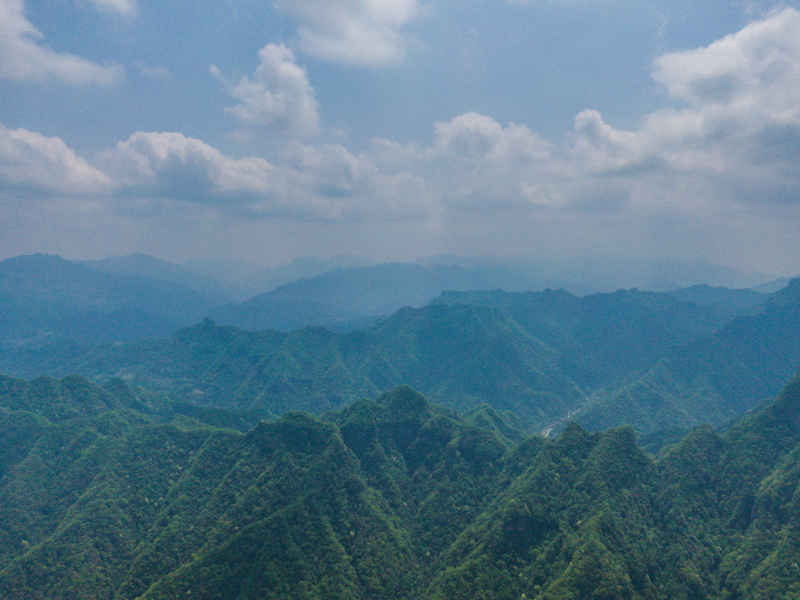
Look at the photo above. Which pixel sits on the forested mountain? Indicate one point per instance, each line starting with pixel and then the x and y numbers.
pixel 543 356
pixel 349 298
pixel 386 499
pixel 139 296
pixel 539 355
pixel 712 378
pixel 44 297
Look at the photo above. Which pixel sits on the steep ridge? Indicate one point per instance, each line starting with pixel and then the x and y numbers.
pixel 460 355
pixel 395 498
pixel 710 380
pixel 539 355
pixel 602 336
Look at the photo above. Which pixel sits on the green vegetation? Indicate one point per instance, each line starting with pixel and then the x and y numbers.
pixel 545 357
pixel 712 379
pixel 106 492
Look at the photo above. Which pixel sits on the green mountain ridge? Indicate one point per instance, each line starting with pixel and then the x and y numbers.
pixel 711 379
pixel 630 357
pixel 539 355
pixel 388 498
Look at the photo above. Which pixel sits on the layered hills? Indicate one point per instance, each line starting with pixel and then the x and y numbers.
pixel 351 298
pixel 392 498
pixel 630 357
pixel 45 298
pixel 538 355
pixel 711 378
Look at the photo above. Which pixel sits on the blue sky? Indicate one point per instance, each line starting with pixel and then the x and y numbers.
pixel 401 128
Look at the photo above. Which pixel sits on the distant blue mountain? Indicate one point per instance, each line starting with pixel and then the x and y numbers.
pixel 44 297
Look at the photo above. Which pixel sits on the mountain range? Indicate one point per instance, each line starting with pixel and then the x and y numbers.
pixel 641 358
pixel 45 298
pixel 392 498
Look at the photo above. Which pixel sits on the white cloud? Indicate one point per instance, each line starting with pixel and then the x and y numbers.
pixel 325 182
pixel 475 163
pixel 31 161
pixel 731 142
pixel 126 8
pixel 735 134
pixel 755 69
pixel 167 163
pixel 478 136
pixel 354 186
pixel 24 57
pixel 278 95
pixel 359 32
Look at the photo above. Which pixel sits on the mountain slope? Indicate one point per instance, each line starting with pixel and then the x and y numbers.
pixel 342 297
pixel 712 379
pixel 641 358
pixel 43 297
pixel 392 498
pixel 538 355
pixel 145 266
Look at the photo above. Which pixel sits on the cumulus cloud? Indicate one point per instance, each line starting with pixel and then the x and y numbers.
pixel 475 163
pixel 31 161
pixel 24 57
pixel 126 8
pixel 278 95
pixel 169 164
pixel 729 142
pixel 479 136
pixel 749 71
pixel 326 182
pixel 734 132
pixel 359 32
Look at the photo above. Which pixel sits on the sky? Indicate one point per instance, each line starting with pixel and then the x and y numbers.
pixel 396 129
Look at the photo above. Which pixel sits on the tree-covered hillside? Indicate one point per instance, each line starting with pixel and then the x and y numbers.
pixel 391 498
pixel 711 379
pixel 539 355
pixel 630 357
pixel 348 298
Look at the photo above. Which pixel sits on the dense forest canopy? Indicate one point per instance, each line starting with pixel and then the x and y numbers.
pixel 103 497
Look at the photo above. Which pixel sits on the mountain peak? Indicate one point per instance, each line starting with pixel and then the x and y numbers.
pixel 405 402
